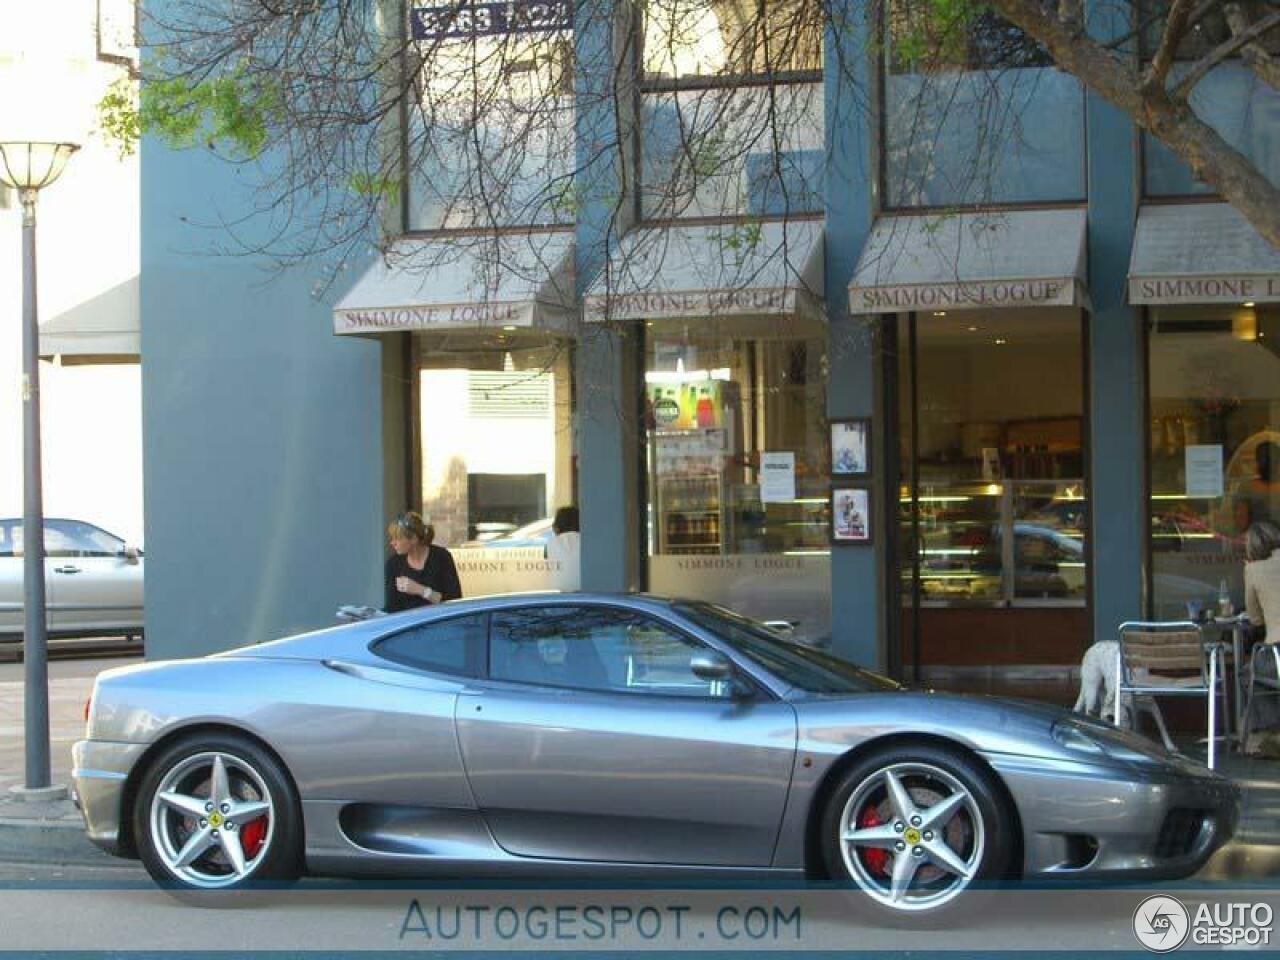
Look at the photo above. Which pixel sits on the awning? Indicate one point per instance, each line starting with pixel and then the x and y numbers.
pixel 103 329
pixel 972 261
pixel 1201 253
pixel 717 270
pixel 465 283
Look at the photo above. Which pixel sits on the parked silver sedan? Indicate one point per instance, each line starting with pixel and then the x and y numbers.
pixel 93 580
pixel 571 734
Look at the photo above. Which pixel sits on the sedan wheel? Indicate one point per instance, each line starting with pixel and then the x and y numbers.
pixel 212 814
pixel 915 829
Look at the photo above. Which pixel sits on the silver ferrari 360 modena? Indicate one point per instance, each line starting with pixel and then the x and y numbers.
pixel 616 736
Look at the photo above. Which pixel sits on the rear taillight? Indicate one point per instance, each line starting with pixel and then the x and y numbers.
pixel 87 705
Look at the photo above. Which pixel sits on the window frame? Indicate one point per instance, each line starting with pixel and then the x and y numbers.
pixel 881 70
pixel 758 690
pixel 482 660
pixel 647 85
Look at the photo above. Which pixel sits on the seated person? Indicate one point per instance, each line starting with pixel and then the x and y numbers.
pixel 1262 602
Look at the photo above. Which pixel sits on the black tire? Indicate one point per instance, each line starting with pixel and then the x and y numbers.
pixel 279 850
pixel 980 834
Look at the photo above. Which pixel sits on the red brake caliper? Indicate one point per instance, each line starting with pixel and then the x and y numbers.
pixel 252 835
pixel 873 858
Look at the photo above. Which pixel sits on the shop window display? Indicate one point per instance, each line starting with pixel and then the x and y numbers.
pixel 1214 380
pixel 721 398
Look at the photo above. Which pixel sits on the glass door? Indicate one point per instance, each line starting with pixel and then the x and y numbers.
pixel 992 499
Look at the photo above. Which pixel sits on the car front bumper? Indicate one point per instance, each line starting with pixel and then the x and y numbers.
pixel 1082 821
pixel 100 771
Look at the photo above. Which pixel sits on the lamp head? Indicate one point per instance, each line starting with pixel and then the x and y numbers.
pixel 27 165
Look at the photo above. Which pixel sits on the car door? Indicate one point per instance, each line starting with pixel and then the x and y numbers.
pixel 93 586
pixel 592 739
pixel 12 589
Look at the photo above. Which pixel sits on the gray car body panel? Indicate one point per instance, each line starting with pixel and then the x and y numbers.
pixel 402 771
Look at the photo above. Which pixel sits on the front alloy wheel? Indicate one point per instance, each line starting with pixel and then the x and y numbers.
pixel 915 829
pixel 214 813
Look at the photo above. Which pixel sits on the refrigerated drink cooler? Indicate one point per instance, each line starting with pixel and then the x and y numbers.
pixel 695 434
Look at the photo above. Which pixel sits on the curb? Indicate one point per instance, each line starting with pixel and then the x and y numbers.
pixel 61 842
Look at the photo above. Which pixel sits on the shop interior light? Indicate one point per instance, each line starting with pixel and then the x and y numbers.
pixel 939 313
pixel 1247 303
pixel 973 329
pixel 680 375
pixel 509 329
pixel 1001 341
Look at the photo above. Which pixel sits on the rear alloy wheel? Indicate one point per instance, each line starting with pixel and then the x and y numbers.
pixel 216 813
pixel 916 829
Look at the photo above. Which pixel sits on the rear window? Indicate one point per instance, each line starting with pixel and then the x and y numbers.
pixel 455 646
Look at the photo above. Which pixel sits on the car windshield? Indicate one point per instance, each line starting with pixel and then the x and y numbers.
pixel 803 667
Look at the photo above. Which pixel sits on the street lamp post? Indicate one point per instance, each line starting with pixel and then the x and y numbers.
pixel 28 167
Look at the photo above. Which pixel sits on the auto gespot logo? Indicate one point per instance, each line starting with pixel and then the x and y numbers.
pixel 1163 924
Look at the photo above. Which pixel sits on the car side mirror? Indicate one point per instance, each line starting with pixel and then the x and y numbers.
pixel 711 665
pixel 129 554
pixel 716 668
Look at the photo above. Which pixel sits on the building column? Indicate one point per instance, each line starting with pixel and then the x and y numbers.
pixel 1117 368
pixel 857 574
pixel 608 395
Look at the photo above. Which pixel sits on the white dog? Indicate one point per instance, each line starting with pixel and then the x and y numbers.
pixel 1098 680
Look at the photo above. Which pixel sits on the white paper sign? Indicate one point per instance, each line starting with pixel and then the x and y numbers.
pixel 777 477
pixel 1204 470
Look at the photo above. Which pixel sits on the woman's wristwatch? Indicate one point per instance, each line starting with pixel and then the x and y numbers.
pixel 426 594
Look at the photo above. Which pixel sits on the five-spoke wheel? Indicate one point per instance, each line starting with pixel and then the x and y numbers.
pixel 212 813
pixel 915 829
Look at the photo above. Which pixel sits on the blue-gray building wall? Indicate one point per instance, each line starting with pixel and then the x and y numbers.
pixel 262 431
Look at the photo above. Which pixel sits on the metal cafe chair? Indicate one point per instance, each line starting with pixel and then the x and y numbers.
pixel 1165 660
pixel 1270 687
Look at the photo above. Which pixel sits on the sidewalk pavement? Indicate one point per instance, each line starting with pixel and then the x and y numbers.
pixel 47 831
pixel 52 831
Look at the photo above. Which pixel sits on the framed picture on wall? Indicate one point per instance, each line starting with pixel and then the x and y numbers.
pixel 851 447
pixel 850 515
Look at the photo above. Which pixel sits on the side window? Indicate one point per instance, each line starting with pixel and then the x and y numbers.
pixel 81 539
pixel 10 538
pixel 59 541
pixel 594 648
pixel 454 646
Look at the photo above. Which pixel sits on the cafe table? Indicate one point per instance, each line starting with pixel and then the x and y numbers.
pixel 1239 628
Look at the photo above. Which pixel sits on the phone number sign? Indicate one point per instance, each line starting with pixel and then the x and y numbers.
pixel 491 19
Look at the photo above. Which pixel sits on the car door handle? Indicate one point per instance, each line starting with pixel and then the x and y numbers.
pixel 66 569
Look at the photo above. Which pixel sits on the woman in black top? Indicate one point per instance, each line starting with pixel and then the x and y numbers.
pixel 417 573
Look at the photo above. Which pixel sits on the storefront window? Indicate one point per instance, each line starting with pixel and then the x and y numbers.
pixel 992 499
pixel 490 137
pixel 1215 447
pixel 721 399
pixel 693 38
pixel 976 112
pixel 496 454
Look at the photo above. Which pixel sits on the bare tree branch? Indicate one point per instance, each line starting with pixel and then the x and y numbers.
pixel 1174 124
pixel 1175 27
pixel 1262 63
pixel 1221 52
